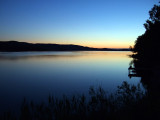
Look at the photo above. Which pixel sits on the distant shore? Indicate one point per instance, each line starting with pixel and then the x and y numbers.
pixel 15 46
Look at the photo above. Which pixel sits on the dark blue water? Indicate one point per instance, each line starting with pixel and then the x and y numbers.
pixel 35 75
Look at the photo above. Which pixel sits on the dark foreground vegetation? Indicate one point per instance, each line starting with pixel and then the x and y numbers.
pixel 128 103
pixel 15 46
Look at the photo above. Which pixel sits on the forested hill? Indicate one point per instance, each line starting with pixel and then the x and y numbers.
pixel 15 46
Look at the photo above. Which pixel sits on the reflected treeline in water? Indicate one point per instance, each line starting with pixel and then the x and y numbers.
pixel 126 103
pixel 34 55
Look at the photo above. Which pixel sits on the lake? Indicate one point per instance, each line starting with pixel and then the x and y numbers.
pixel 36 75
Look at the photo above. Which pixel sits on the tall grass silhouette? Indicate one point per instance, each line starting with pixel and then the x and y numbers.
pixel 128 102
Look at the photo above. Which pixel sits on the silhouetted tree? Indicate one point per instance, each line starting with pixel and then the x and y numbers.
pixel 147 55
pixel 146 46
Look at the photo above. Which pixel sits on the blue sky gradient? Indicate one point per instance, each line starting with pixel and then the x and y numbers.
pixel 94 23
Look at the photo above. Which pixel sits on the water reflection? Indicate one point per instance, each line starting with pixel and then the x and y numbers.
pixel 35 75
pixel 148 69
pixel 149 73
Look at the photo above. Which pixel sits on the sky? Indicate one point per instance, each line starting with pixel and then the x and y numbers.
pixel 93 23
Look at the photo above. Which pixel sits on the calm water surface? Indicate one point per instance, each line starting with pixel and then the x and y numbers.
pixel 35 75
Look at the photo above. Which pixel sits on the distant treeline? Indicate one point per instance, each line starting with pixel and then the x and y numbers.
pixel 15 46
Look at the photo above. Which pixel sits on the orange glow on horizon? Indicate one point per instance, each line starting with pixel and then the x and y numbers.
pixel 108 45
pixel 94 44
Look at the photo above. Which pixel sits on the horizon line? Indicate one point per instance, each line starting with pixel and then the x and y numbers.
pixel 65 44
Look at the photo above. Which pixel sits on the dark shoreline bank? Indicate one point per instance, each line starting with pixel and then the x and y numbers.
pixel 15 46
